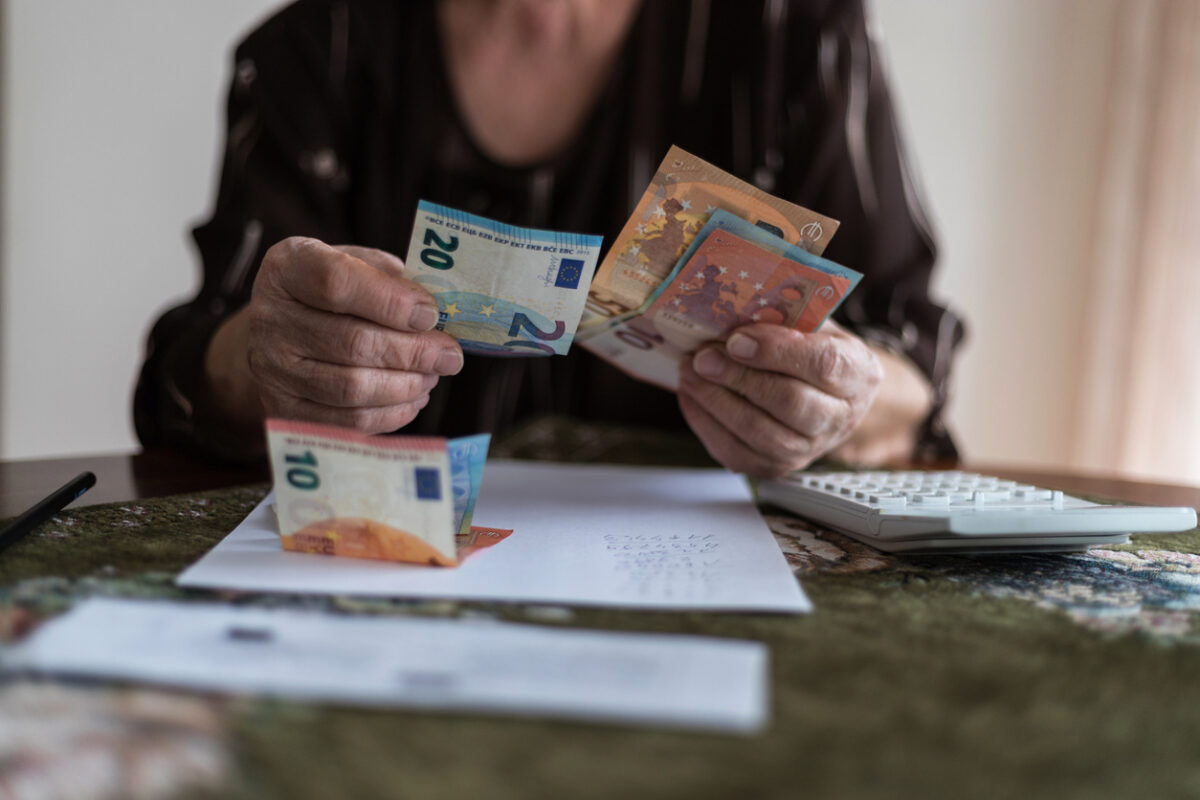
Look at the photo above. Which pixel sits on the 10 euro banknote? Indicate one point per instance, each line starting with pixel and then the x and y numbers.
pixel 501 290
pixel 395 498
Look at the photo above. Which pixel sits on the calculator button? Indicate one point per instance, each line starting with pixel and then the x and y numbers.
pixel 888 501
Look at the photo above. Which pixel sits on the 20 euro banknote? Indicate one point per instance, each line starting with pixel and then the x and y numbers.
pixel 501 290
pixel 395 498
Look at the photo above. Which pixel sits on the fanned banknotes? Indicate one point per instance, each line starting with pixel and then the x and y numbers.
pixel 501 290
pixel 394 498
pixel 733 273
pixel 682 196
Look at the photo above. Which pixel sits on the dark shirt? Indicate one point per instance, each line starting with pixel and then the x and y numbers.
pixel 341 117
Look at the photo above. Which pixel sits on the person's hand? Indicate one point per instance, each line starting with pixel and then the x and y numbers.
pixel 770 400
pixel 333 334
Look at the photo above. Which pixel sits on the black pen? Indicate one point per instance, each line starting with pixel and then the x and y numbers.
pixel 47 508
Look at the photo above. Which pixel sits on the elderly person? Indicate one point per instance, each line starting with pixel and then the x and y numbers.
pixel 553 114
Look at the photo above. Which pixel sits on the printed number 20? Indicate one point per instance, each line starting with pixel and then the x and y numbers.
pixel 523 322
pixel 438 258
pixel 520 321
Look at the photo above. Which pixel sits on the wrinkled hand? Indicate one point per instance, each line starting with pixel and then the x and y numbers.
pixel 338 335
pixel 770 400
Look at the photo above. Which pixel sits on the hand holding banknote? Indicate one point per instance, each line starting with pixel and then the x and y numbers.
pixel 337 335
pixel 769 400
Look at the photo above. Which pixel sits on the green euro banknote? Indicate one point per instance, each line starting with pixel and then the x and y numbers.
pixel 395 498
pixel 501 290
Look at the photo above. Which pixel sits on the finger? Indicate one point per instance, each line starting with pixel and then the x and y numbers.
pixel 835 362
pixel 794 403
pixel 723 446
pixel 368 420
pixel 327 279
pixel 832 327
pixel 757 430
pixel 340 386
pixel 351 341
pixel 381 260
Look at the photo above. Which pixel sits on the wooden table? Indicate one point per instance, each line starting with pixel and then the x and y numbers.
pixel 163 472
pixel 1112 487
pixel 155 473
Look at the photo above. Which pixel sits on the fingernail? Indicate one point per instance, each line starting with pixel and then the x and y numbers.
pixel 709 362
pixel 448 363
pixel 423 318
pixel 741 346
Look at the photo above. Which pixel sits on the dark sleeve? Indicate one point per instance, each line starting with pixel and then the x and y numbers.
pixel 285 172
pixel 842 130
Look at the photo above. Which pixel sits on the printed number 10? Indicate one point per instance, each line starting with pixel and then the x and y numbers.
pixel 300 477
pixel 435 257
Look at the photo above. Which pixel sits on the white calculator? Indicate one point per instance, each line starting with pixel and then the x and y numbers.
pixel 931 512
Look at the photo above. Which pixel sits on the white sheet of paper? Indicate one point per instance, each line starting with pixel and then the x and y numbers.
pixel 673 680
pixel 583 535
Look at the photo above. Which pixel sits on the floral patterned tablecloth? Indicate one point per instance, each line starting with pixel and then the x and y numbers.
pixel 1035 676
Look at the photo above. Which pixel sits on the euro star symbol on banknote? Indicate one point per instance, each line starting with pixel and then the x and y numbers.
pixel 501 290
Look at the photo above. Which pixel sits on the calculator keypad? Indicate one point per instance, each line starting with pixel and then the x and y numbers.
pixel 929 490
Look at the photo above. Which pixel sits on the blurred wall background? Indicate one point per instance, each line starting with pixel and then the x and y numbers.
pixel 111 121
pixel 1003 101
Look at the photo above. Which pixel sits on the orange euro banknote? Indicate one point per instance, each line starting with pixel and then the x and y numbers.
pixel 727 282
pixel 683 194
pixel 479 538
pixel 730 282
pixel 357 537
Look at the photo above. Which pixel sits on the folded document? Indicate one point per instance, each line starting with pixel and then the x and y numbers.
pixel 495 667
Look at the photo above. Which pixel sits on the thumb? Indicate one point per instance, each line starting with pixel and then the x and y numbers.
pixel 381 260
